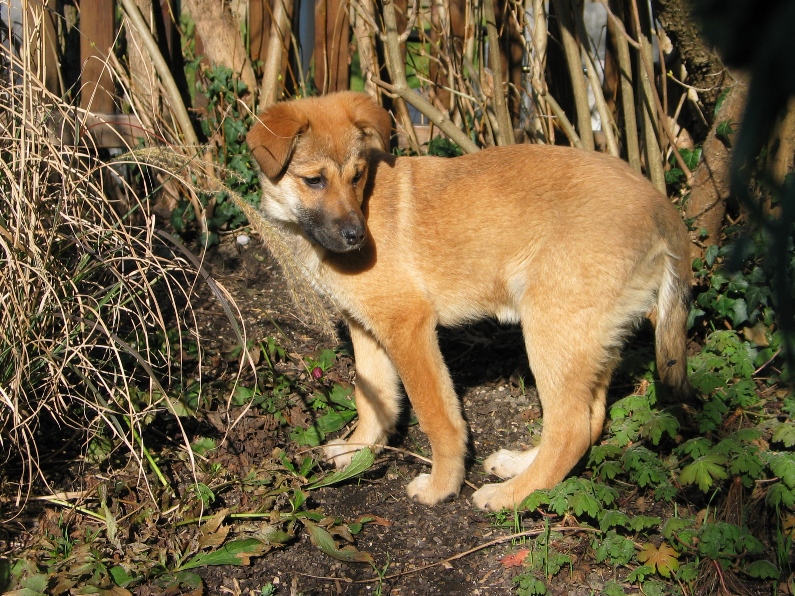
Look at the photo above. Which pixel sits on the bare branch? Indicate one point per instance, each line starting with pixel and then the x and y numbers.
pixel 394 63
pixel 504 131
pixel 439 118
pixel 572 52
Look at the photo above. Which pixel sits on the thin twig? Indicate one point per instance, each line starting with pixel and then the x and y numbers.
pixel 627 93
pixel 504 133
pixel 461 555
pixel 655 96
pixel 564 122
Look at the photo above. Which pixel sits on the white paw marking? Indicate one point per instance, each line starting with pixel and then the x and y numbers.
pixel 422 490
pixel 507 464
pixel 339 452
pixel 493 497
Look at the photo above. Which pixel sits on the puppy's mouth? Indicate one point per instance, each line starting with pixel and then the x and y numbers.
pixel 335 234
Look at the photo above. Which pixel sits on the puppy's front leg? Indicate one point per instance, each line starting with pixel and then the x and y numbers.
pixel 414 348
pixel 377 396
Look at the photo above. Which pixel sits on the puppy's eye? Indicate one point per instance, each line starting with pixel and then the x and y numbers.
pixel 315 182
pixel 357 177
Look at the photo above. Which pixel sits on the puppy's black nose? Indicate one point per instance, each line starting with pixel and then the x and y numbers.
pixel 353 235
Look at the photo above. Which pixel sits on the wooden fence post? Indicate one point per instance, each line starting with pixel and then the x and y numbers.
pixel 97 89
pixel 332 38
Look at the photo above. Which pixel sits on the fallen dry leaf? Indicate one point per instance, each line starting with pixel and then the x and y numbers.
pixel 515 559
pixel 664 559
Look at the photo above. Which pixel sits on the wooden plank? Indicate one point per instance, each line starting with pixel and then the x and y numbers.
pixel 99 131
pixel 332 41
pixel 96 40
pixel 259 26
pixel 113 130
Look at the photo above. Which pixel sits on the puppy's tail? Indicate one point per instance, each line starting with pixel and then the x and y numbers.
pixel 673 307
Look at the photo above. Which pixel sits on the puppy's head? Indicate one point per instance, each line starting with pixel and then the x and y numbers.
pixel 314 154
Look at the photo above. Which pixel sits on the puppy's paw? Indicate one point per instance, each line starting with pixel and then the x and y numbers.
pixel 339 452
pixel 507 464
pixel 425 490
pixel 493 497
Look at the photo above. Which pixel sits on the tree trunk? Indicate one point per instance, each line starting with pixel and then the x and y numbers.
pixel 782 147
pixel 705 70
pixel 710 187
pixel 220 34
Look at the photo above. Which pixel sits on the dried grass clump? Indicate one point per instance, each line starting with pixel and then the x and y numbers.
pixel 311 307
pixel 94 302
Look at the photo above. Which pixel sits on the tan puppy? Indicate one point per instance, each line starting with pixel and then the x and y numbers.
pixel 573 245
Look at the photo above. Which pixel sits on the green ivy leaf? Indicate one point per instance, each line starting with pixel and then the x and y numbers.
pixel 691 157
pixel 762 569
pixel 360 463
pixel 704 471
pixel 615 549
pixel 785 433
pixel 334 421
pixel 724 131
pixel 739 312
pixel 612 518
pixel 306 436
pixel 711 254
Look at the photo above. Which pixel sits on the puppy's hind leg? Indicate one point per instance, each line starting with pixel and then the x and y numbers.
pixel 377 396
pixel 572 378
pixel 506 463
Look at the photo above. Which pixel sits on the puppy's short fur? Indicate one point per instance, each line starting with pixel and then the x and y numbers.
pixel 573 245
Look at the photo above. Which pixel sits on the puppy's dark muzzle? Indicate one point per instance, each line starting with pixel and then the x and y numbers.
pixel 336 234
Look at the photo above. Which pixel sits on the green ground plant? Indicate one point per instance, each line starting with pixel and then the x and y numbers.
pixel 720 478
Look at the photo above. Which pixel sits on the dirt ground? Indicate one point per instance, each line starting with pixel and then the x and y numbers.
pixel 452 548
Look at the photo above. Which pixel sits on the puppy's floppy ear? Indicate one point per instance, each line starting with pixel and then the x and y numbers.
pixel 372 119
pixel 273 137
